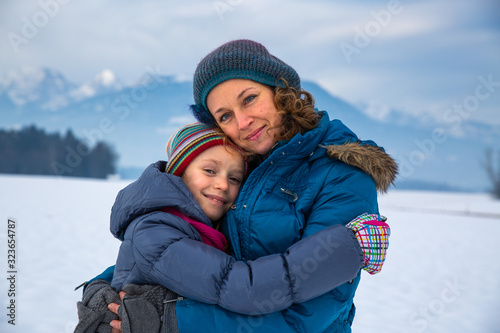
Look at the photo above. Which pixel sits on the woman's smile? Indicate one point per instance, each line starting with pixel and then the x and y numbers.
pixel 255 134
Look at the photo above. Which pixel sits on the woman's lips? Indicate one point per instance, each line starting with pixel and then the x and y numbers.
pixel 255 134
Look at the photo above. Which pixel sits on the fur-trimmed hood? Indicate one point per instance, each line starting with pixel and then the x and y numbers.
pixel 344 145
pixel 371 159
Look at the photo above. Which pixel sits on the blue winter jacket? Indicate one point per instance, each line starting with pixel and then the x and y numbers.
pixel 323 178
pixel 161 248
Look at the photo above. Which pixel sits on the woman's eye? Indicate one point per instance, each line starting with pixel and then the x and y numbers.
pixel 224 117
pixel 249 99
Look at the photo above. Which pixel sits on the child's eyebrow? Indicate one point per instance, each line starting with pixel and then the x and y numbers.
pixel 239 172
pixel 218 162
pixel 211 159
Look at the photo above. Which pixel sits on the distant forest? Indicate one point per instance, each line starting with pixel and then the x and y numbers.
pixel 33 151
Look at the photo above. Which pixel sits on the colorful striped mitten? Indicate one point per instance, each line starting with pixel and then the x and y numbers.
pixel 373 236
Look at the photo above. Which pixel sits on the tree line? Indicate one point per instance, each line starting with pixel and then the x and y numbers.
pixel 33 151
pixel 491 165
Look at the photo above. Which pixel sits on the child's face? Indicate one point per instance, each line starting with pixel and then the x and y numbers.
pixel 214 177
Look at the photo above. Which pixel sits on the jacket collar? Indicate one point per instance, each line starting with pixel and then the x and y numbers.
pixel 336 140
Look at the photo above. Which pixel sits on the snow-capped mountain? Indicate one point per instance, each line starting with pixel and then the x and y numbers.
pixel 44 87
pixel 104 82
pixel 138 120
pixel 50 90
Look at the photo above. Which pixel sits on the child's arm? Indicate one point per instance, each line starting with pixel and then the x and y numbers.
pixel 271 283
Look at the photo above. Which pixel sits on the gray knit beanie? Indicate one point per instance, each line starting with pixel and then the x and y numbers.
pixel 238 59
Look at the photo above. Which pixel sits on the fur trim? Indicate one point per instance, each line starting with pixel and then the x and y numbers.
pixel 371 159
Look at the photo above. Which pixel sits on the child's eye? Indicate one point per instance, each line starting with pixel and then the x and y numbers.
pixel 209 171
pixel 235 180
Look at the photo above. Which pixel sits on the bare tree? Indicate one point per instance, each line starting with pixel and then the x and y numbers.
pixel 492 168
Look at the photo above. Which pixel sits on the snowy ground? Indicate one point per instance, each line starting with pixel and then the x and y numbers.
pixel 442 273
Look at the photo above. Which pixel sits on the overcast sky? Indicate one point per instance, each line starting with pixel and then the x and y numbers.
pixel 415 56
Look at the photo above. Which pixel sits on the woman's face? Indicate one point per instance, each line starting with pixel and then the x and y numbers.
pixel 245 111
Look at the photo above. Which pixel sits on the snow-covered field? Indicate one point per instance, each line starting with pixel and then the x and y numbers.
pixel 442 273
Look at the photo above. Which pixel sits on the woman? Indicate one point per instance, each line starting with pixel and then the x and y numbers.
pixel 309 173
pixel 313 173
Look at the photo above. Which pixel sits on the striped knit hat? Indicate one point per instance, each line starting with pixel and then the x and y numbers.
pixel 238 59
pixel 190 141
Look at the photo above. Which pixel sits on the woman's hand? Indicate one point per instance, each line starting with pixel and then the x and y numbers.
pixel 113 307
pixel 372 234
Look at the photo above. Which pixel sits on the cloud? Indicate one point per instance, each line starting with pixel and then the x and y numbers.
pixel 426 53
pixel 174 123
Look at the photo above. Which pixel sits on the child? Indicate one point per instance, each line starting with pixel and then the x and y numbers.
pixel 164 218
pixel 199 185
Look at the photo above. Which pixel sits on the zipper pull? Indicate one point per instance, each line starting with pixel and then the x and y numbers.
pixel 83 284
pixel 293 194
pixel 179 298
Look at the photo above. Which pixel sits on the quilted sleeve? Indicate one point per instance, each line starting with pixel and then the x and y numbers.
pixel 166 256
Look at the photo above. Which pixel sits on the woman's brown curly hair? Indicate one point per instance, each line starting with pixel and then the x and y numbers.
pixel 296 109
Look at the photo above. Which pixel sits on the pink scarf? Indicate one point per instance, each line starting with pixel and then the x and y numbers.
pixel 209 235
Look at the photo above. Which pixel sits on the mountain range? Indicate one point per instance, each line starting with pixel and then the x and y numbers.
pixel 137 119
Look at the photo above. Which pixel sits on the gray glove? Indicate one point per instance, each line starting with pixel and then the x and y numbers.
pixel 147 309
pixel 93 313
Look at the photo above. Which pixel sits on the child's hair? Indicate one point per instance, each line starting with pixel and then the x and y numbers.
pixel 191 140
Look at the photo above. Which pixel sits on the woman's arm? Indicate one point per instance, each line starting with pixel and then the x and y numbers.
pixel 339 201
pixel 272 283
pixel 309 274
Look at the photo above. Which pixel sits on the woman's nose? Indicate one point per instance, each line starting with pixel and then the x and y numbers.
pixel 243 120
